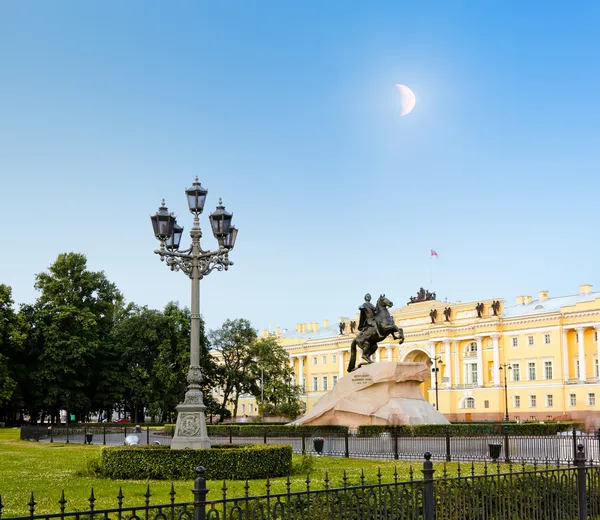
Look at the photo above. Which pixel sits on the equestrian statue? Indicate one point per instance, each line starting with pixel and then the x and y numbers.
pixel 375 325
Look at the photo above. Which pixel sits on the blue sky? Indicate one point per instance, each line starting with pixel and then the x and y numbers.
pixel 289 112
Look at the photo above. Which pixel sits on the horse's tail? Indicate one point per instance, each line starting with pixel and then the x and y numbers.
pixel 352 360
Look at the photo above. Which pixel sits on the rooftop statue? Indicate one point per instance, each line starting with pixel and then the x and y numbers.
pixel 374 325
pixel 422 296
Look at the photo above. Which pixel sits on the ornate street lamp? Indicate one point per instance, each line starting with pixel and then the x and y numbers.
pixel 505 367
pixel 435 369
pixel 190 430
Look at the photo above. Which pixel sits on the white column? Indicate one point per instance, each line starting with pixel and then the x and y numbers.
pixel 496 359
pixel 378 355
pixel 448 362
pixel 581 345
pixel 301 372
pixel 390 353
pixel 341 363
pixel 565 357
pixel 457 367
pixel 479 340
pixel 597 328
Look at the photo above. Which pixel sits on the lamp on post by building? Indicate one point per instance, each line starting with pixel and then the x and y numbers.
pixel 190 430
pixel 434 370
pixel 505 367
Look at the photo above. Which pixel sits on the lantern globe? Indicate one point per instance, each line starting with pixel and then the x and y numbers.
pixel 162 223
pixel 229 241
pixel 220 222
pixel 174 240
pixel 196 196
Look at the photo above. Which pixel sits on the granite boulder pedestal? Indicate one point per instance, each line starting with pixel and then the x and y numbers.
pixel 380 393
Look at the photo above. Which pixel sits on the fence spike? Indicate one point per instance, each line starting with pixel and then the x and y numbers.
pixel 32 504
pixel 120 497
pixel 535 465
pixel 362 476
pixel 395 474
pixel 379 475
pixel 326 481
pixel 410 472
pixel 172 493
pixel 91 500
pixel 498 467
pixel 445 471
pixel 458 468
pixel 268 486
pixel 246 488
pixel 62 502
pixel 147 495
pixel 345 480
pixel 485 467
pixel 472 468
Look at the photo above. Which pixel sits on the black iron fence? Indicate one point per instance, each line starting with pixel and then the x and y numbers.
pixel 504 447
pixel 524 493
pixel 560 447
pixel 92 434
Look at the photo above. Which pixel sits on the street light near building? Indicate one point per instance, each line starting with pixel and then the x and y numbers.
pixel 505 367
pixel 190 430
pixel 434 370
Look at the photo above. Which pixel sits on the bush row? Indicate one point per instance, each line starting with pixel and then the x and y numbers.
pixel 467 430
pixel 231 462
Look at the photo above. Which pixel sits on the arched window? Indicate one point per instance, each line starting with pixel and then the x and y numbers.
pixel 472 346
pixel 469 402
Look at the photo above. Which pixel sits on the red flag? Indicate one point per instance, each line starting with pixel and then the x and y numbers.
pixel 433 252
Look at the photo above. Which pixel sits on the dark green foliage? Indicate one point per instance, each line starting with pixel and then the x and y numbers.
pixel 282 430
pixel 467 429
pixel 231 462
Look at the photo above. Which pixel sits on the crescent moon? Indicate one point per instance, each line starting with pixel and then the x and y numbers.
pixel 407 99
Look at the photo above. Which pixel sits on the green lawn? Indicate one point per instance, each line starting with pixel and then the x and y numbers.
pixel 47 469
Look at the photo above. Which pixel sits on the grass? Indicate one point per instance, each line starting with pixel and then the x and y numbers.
pixel 48 469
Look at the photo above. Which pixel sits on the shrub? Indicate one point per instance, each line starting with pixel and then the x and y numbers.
pixel 220 462
pixel 466 429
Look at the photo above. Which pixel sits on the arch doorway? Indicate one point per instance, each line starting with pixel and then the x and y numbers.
pixel 420 356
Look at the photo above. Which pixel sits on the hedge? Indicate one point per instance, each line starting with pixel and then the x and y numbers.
pixel 281 430
pixel 231 462
pixel 467 430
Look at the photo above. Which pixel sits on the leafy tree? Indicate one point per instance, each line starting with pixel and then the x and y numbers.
pixel 73 319
pixel 233 342
pixel 10 342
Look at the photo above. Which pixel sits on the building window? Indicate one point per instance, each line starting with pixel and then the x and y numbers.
pixel 546 339
pixel 531 370
pixel 335 378
pixel 250 408
pixel 577 367
pixel 592 399
pixel 532 401
pixel 548 370
pixel 334 358
pixel 314 360
pixel 549 400
pixel 597 368
pixel 517 401
pixel 469 402
pixel 573 399
pixel 471 373
pixel 530 340
pixel 243 408
pixel 324 360
pixel 516 372
pixel 325 384
pixel 472 347
pixel 515 342
pixel 577 337
pixel 486 404
pixel 315 384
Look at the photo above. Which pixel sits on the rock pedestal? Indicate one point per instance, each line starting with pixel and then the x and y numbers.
pixel 380 393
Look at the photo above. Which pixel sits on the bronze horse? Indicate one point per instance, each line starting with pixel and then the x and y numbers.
pixel 368 338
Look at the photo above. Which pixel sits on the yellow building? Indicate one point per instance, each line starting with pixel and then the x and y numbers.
pixel 550 344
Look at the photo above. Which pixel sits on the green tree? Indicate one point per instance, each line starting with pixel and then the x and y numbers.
pixel 10 343
pixel 234 342
pixel 73 318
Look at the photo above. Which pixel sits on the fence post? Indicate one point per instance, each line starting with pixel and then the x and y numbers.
pixel 265 435
pixel 581 490
pixel 598 444
pixel 85 434
pixel 200 492
pixel 51 433
pixel 448 455
pixel 506 445
pixel 231 435
pixel 346 444
pixel 574 443
pixel 303 443
pixel 428 495
pixel 396 456
pixel 104 435
pixel 67 430
pixel 147 434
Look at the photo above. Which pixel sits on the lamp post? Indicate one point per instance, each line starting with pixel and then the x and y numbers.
pixel 190 429
pixel 262 394
pixel 435 369
pixel 505 367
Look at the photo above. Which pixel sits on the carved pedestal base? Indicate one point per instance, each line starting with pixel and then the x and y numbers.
pixel 190 430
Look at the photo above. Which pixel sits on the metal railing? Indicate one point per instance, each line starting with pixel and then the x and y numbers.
pixel 91 434
pixel 521 493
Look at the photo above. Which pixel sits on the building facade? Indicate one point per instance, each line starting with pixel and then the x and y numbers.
pixel 533 360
